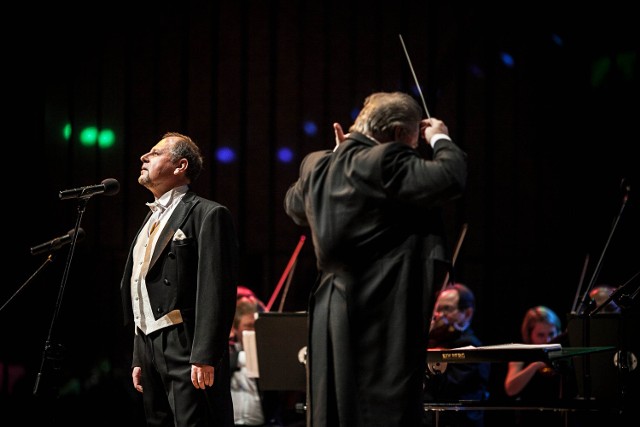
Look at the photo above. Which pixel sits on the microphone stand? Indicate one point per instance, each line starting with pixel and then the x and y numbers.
pixel 49 259
pixel 596 271
pixel 53 353
pixel 587 304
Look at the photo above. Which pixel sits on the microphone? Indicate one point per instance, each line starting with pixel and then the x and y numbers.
pixel 108 187
pixel 57 243
pixel 625 187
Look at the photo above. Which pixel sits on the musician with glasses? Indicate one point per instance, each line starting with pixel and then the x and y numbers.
pixel 459 382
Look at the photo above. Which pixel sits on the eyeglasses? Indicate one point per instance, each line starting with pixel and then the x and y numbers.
pixel 446 309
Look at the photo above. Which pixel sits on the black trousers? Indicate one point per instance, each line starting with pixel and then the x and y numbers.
pixel 170 398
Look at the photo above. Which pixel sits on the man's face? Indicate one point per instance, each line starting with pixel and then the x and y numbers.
pixel 157 167
pixel 447 310
pixel 447 307
pixel 247 323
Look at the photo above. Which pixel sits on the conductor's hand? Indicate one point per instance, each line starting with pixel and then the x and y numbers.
pixel 432 126
pixel 340 136
pixel 136 376
pixel 202 375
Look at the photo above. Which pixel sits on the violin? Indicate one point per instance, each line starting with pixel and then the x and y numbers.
pixel 547 371
pixel 556 367
pixel 441 331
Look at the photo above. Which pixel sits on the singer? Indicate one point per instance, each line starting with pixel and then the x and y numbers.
pixel 179 293
pixel 373 207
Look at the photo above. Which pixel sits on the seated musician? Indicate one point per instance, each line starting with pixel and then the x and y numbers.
pixel 459 382
pixel 600 295
pixel 251 405
pixel 539 383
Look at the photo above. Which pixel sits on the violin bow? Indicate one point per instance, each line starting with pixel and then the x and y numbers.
pixel 463 233
pixel 580 283
pixel 285 274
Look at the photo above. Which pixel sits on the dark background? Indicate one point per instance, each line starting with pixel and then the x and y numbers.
pixel 550 140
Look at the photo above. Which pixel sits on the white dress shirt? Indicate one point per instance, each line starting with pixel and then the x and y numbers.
pixel 162 209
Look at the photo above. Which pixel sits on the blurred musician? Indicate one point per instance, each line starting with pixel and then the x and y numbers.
pixel 451 328
pixel 538 383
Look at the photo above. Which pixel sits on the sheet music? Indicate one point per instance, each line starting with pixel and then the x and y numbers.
pixel 251 353
pixel 513 346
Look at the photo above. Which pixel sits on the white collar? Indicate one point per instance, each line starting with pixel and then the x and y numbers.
pixel 161 204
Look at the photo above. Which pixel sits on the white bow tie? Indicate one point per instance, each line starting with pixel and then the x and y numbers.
pixel 156 207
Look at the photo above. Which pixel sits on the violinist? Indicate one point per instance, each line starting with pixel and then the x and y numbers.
pixel 537 382
pixel 251 405
pixel 451 328
pixel 600 294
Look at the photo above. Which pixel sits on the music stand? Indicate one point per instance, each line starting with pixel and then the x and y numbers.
pixel 608 376
pixel 276 351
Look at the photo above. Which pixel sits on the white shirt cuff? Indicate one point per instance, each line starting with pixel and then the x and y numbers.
pixel 437 137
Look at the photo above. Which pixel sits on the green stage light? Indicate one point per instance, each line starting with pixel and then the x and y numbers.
pixel 626 62
pixel 106 138
pixel 89 136
pixel 66 131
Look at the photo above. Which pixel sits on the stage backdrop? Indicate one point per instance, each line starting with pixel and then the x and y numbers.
pixel 545 104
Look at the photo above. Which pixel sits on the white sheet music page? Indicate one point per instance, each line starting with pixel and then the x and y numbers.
pixel 514 346
pixel 251 353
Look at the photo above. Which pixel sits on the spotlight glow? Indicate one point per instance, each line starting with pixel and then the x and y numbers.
pixel 507 59
pixel 310 128
pixel 285 155
pixel 225 155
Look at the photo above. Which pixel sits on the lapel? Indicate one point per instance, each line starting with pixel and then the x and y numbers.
pixel 178 217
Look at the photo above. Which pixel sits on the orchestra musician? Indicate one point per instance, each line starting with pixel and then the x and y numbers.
pixel 451 328
pixel 538 383
pixel 600 294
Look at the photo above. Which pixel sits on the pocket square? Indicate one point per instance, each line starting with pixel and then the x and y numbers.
pixel 179 235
